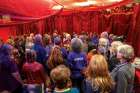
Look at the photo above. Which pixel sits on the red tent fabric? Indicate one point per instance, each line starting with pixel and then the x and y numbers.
pixel 136 30
pixel 30 9
pixel 25 16
pixel 36 16
pixel 23 10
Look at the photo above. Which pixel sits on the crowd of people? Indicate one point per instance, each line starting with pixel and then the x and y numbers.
pixel 68 63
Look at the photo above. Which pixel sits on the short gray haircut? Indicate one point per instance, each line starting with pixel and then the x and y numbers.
pixel 76 44
pixel 126 50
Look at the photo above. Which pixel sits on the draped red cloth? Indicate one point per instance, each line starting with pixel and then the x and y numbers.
pixel 123 23
pixel 26 11
pixel 136 30
pixel 116 23
pixel 27 8
pixel 5 32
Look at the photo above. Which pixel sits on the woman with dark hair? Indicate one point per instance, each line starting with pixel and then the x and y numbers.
pixel 98 79
pixel 92 50
pixel 55 58
pixel 77 62
pixel 58 42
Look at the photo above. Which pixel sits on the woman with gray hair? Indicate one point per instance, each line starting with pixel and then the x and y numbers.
pixel 103 47
pixel 113 61
pixel 123 74
pixel 77 62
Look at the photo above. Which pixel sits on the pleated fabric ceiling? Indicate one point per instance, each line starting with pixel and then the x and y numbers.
pixel 18 11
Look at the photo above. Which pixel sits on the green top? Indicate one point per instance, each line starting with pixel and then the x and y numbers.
pixel 68 90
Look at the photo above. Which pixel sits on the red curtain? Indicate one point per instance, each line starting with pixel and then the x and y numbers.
pixel 116 23
pixel 127 24
pixel 27 8
pixel 5 32
pixel 25 11
pixel 136 30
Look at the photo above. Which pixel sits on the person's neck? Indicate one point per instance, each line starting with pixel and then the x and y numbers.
pixel 122 61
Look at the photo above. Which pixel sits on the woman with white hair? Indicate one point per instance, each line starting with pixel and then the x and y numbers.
pixel 113 61
pixel 103 47
pixel 123 74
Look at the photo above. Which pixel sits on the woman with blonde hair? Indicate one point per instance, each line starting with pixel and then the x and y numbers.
pixel 113 60
pixel 98 79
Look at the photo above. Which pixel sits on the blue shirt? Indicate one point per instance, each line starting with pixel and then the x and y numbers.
pixel 95 40
pixel 40 52
pixel 7 67
pixel 76 62
pixel 64 53
pixel 87 87
pixel 48 51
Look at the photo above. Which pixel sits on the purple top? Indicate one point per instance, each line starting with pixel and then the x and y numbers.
pixel 77 62
pixel 7 67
